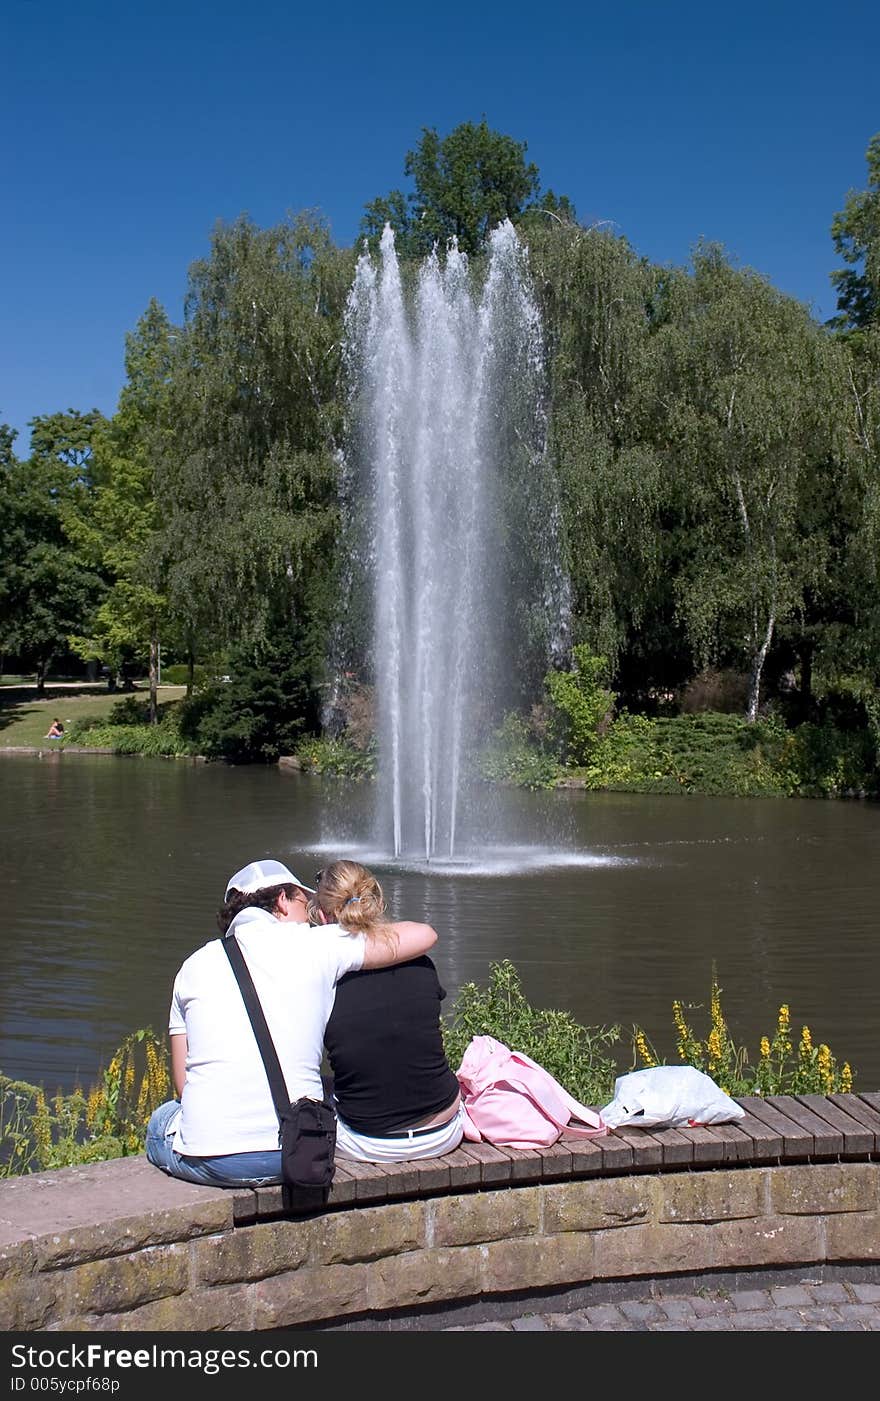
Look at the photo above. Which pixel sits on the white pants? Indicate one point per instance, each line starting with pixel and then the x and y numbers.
pixel 433 1144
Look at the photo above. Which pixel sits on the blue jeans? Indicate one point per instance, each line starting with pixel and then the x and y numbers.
pixel 228 1170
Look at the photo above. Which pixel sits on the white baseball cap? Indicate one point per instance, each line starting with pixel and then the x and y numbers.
pixel 260 875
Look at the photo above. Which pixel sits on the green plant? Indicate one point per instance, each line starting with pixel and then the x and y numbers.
pixel 575 1055
pixel 162 740
pixel 126 729
pixel 581 702
pixel 512 756
pixel 177 674
pixel 716 753
pixel 38 1131
pixel 777 1069
pixel 336 757
pixel 260 713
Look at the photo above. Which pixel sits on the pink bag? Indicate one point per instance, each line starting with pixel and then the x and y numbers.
pixel 510 1100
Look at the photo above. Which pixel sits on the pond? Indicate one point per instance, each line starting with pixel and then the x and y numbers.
pixel 609 905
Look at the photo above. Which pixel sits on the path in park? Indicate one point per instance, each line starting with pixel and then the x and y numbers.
pixel 841 1306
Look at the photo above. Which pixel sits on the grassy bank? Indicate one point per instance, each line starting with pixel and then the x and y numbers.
pixel 710 753
pixel 25 717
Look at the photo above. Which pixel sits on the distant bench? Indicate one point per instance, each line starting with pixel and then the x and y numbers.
pixel 120 1246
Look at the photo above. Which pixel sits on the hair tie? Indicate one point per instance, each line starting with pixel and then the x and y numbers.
pixel 352 900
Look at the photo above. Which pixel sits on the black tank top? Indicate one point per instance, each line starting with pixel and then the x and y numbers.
pixel 385 1049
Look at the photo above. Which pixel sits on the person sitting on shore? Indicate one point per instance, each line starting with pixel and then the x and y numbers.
pixel 396 1096
pixel 223 1131
pixel 55 730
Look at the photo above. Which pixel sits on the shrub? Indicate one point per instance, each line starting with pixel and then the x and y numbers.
pixel 126 730
pixel 776 1070
pixel 575 1055
pixel 725 754
pixel 38 1132
pixel 583 706
pixel 178 675
pixel 259 714
pixel 513 756
pixel 336 757
pixel 831 761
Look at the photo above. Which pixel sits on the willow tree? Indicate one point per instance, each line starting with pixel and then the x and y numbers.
pixel 596 296
pixel 744 390
pixel 247 478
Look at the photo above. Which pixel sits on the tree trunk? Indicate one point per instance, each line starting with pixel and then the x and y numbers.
pixel 191 671
pixel 42 668
pixel 757 669
pixel 154 679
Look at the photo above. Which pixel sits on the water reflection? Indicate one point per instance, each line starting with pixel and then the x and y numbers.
pixel 113 870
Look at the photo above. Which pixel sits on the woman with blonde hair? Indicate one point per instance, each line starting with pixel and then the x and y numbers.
pixel 396 1096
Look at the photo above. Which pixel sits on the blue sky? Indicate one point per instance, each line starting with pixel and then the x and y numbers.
pixel 128 130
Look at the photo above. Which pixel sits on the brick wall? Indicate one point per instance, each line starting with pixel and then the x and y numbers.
pixel 118 1246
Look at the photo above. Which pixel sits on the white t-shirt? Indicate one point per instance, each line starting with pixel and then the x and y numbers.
pixel 226 1106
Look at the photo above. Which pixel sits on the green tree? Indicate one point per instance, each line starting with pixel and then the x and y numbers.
pixel 744 393
pixel 262 710
pixel 8 504
pixel 856 234
pixel 596 297
pixel 247 472
pixel 8 436
pixel 464 184
pixel 46 589
pixel 117 528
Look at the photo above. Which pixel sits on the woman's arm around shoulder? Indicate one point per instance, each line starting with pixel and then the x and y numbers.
pixel 410 941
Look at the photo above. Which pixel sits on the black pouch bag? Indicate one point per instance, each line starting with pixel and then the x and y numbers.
pixel 308 1143
pixel 306 1127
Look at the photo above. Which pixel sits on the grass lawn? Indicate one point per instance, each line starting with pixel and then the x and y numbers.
pixel 24 719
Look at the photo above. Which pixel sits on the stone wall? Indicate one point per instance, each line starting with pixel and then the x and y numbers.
pixel 118 1246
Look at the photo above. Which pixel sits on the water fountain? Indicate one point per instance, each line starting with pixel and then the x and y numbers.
pixel 450 516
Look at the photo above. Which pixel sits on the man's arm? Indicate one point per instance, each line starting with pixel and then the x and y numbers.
pixel 178 1062
pixel 411 940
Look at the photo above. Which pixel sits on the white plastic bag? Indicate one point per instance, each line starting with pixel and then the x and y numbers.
pixel 673 1096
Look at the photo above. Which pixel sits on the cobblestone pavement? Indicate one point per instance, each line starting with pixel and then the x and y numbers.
pixel 843 1306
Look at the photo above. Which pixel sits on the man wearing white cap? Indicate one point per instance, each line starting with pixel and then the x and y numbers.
pixel 224 1130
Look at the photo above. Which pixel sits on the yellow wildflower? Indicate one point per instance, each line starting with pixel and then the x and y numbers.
pixel 42 1127
pixel 714 1047
pixel 157 1076
pixel 784 1017
pixel 682 1029
pixel 826 1068
pixel 765 1048
pixel 93 1107
pixel 143 1110
pixel 846 1079
pixel 643 1048
pixel 716 1005
pixel 806 1045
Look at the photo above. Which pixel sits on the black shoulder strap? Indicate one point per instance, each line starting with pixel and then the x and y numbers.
pixel 274 1073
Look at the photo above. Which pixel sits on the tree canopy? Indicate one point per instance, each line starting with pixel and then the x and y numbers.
pixel 464 184
pixel 856 235
pixel 716 453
